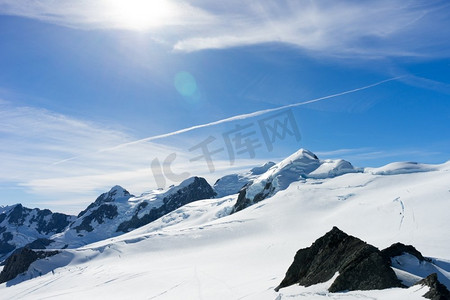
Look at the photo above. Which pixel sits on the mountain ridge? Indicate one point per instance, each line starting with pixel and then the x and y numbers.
pixel 203 238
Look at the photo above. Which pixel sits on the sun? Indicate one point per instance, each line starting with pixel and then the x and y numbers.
pixel 141 14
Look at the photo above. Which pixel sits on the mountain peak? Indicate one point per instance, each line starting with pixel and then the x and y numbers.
pixel 118 191
pixel 298 166
pixel 302 153
pixel 115 193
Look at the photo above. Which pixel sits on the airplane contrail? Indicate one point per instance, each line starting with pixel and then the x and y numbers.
pixel 234 118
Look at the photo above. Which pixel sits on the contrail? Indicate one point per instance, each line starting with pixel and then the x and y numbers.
pixel 234 118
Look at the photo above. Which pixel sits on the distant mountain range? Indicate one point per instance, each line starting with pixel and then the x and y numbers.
pixel 111 214
pixel 300 193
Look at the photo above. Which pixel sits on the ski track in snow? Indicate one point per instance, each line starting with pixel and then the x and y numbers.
pixel 166 291
pixel 402 213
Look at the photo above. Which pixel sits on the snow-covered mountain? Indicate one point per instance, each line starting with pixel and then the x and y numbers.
pixel 202 251
pixel 20 226
pixel 111 214
pixel 233 183
pixel 117 211
pixel 299 166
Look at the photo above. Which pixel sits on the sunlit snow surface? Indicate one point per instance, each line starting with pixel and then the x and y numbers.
pixel 201 252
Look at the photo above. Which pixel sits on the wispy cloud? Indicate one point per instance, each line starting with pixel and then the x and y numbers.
pixel 52 154
pixel 426 83
pixel 107 14
pixel 342 28
pixel 34 139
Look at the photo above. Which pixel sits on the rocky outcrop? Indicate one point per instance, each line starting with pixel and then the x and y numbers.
pixel 277 178
pixel 360 265
pixel 20 261
pixel 104 211
pixel 437 291
pixel 193 189
pixel 399 249
pixel 5 245
pixel 39 244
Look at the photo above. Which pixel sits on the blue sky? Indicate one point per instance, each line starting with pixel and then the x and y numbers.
pixel 82 81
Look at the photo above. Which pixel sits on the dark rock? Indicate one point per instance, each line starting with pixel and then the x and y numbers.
pixel 7 236
pixel 18 214
pixel 19 262
pixel 437 291
pixel 39 244
pixel 197 190
pixel 360 265
pixel 57 223
pixel 106 198
pixel 244 202
pixel 141 206
pixel 399 249
pixel 104 211
pixel 39 223
pixel 6 248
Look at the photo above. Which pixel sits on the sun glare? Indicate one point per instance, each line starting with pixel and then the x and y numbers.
pixel 141 14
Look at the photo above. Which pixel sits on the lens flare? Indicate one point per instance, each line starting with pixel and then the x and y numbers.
pixel 185 84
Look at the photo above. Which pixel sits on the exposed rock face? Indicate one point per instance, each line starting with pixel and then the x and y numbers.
pixel 104 211
pixel 19 262
pixel 277 178
pixel 244 202
pixel 5 245
pixel 39 244
pixel 116 193
pixel 360 265
pixel 437 291
pixel 196 189
pixel 300 166
pixel 101 219
pixel 32 224
pixel 398 249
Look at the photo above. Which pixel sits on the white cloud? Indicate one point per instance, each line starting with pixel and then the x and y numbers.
pixel 107 14
pixel 340 28
pixel 34 139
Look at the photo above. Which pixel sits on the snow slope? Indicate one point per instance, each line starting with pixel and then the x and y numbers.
pixel 200 252
pixel 233 183
pixel 105 217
